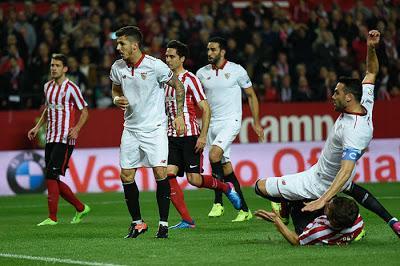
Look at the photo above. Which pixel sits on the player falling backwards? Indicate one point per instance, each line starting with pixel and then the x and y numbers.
pixel 347 141
pixel 185 150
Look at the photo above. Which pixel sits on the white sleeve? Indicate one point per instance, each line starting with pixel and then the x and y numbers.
pixel 114 76
pixel 163 73
pixel 367 99
pixel 78 98
pixel 243 78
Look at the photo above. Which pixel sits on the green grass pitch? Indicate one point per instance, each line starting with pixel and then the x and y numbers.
pixel 98 240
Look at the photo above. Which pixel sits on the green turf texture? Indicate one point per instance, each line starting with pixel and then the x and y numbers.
pixel 215 241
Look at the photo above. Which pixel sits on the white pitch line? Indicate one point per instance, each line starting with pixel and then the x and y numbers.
pixel 56 260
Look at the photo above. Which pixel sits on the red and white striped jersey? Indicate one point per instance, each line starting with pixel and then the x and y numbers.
pixel 61 101
pixel 193 95
pixel 320 232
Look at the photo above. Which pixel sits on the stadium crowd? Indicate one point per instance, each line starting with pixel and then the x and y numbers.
pixel 291 54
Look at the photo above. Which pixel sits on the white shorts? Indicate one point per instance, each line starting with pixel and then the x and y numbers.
pixel 144 149
pixel 222 134
pixel 304 185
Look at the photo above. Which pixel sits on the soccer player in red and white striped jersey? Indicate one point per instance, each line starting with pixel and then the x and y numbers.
pixel 185 150
pixel 340 224
pixel 62 98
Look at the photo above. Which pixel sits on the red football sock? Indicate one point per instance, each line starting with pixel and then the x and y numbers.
pixel 213 183
pixel 178 199
pixel 53 194
pixel 69 196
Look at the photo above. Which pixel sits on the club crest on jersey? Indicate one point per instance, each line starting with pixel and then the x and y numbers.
pixel 143 75
pixel 227 75
pixel 124 76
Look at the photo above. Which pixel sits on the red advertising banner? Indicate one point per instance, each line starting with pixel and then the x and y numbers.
pixel 97 170
pixel 281 122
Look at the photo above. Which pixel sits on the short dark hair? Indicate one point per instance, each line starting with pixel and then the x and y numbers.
pixel 353 86
pixel 344 212
pixel 221 41
pixel 60 57
pixel 132 32
pixel 180 47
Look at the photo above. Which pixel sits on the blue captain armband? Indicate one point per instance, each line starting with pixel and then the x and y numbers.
pixel 351 154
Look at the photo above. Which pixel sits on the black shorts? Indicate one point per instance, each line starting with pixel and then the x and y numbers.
pixel 301 219
pixel 57 157
pixel 181 153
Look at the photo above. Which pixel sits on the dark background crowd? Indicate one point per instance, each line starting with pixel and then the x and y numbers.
pixel 292 54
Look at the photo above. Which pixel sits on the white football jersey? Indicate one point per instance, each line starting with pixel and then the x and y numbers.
pixel 223 89
pixel 348 139
pixel 143 86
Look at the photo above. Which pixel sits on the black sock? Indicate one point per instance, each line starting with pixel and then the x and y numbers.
pixel 132 200
pixel 232 178
pixel 163 198
pixel 368 201
pixel 218 173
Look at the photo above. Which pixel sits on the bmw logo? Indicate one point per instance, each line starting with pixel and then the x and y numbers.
pixel 25 173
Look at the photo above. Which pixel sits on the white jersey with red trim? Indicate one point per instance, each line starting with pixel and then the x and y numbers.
pixel 223 89
pixel 347 140
pixel 143 86
pixel 320 232
pixel 193 95
pixel 61 101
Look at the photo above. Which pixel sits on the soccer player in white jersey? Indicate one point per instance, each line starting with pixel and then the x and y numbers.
pixel 138 88
pixel 62 98
pixel 340 224
pixel 347 141
pixel 223 82
pixel 185 150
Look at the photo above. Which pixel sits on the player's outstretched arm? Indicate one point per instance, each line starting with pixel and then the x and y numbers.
pixel 43 118
pixel 372 59
pixel 205 122
pixel 289 235
pixel 255 112
pixel 341 178
pixel 179 122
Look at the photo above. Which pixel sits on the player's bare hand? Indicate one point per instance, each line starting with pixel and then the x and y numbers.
pixel 32 133
pixel 179 125
pixel 121 102
pixel 266 215
pixel 314 205
pixel 73 133
pixel 373 38
pixel 200 144
pixel 259 131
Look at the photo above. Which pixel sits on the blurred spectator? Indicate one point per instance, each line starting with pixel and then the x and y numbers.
pixel 286 91
pixel 303 93
pixel 271 93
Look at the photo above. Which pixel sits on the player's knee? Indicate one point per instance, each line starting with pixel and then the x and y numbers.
pixel 194 179
pixel 261 189
pixel 52 173
pixel 215 155
pixel 127 176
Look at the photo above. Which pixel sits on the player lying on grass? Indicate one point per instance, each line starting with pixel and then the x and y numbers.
pixel 340 224
pixel 346 143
